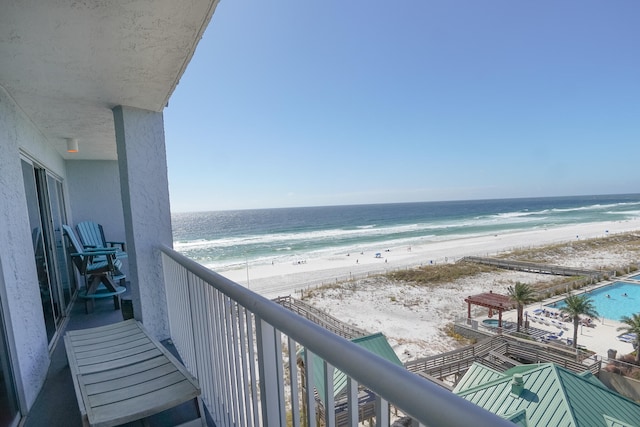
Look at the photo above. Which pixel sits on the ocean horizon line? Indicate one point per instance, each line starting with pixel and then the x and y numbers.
pixel 405 203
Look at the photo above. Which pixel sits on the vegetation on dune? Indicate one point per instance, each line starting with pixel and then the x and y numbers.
pixel 617 243
pixel 432 275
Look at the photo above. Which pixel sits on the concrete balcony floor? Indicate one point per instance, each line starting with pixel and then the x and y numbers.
pixel 57 406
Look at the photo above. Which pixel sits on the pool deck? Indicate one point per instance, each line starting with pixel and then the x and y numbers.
pixel 601 338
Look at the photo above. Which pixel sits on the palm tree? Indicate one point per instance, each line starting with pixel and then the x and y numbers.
pixel 632 326
pixel 576 306
pixel 521 294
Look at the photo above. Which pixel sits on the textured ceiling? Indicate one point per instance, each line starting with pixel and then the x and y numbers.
pixel 67 63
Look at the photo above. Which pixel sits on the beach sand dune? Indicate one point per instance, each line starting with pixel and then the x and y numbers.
pixel 414 318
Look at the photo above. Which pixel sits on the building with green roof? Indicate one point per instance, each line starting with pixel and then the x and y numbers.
pixel 547 395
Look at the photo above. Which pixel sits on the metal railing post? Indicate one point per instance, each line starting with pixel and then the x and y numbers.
pixel 269 381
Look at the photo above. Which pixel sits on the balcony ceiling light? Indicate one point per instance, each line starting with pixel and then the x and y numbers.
pixel 72 145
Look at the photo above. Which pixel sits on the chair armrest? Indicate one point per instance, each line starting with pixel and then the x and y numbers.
pixel 93 249
pixel 121 244
pixel 88 258
pixel 94 253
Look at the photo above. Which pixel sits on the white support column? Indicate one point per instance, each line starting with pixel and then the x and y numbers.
pixel 145 201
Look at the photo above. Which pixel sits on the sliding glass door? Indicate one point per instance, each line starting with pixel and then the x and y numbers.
pixel 45 204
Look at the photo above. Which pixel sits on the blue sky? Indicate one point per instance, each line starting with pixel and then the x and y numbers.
pixel 299 103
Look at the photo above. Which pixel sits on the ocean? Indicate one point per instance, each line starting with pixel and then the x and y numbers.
pixel 224 240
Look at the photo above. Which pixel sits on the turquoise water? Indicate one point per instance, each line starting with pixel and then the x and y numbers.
pixel 636 277
pixel 491 322
pixel 610 301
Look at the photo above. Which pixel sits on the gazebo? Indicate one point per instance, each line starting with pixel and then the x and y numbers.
pixel 494 302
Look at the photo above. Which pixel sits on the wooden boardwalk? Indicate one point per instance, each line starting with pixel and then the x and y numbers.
pixel 533 267
pixel 321 318
pixel 500 353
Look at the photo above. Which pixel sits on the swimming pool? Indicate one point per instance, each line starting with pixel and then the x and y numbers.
pixel 637 277
pixel 610 301
pixel 492 323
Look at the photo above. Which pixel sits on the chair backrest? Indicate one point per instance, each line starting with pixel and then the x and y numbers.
pixel 77 246
pixel 91 234
pixel 90 262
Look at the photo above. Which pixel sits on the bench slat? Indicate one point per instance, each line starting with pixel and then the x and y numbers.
pixel 88 345
pixel 131 392
pixel 142 406
pixel 127 381
pixel 124 371
pixel 119 351
pixel 113 364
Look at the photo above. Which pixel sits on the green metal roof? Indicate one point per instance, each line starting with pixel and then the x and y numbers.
pixel 519 418
pixel 477 375
pixel 552 395
pixel 376 343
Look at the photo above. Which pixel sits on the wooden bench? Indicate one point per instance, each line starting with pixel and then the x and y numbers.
pixel 101 292
pixel 121 374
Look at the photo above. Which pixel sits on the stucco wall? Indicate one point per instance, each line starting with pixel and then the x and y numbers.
pixel 19 289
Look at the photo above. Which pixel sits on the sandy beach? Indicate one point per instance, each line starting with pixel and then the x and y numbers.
pixel 413 318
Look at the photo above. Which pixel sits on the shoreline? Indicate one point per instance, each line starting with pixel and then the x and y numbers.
pixel 281 279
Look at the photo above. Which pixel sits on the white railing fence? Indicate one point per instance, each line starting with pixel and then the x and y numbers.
pixel 245 351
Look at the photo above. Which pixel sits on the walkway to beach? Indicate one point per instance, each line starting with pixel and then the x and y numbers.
pixel 500 352
pixel 321 318
pixel 534 267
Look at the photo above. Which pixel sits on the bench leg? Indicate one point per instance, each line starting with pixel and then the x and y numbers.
pixel 203 417
pixel 88 305
pixel 116 302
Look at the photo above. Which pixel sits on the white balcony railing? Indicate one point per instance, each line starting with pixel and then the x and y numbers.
pixel 244 350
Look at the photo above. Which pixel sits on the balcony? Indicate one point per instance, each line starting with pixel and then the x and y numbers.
pixel 249 354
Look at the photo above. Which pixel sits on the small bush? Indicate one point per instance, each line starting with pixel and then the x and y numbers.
pixel 450 331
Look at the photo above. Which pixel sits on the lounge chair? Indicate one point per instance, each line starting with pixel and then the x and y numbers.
pixel 630 337
pixel 557 324
pixel 98 266
pixel 92 236
pixel 553 337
